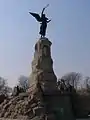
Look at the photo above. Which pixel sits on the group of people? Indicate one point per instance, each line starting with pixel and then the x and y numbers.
pixel 17 90
pixel 63 87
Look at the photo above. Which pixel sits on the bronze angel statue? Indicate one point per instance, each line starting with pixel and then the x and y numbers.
pixel 43 21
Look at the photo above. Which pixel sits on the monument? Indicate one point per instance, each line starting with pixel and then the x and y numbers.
pixel 42 75
pixel 43 81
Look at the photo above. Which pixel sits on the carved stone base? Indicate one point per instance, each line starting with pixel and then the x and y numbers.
pixel 42 68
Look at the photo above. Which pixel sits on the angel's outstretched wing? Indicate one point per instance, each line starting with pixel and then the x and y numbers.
pixel 36 16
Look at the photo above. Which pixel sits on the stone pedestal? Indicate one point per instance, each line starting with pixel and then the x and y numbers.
pixel 42 68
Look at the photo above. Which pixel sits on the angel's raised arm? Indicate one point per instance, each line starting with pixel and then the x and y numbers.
pixel 44 9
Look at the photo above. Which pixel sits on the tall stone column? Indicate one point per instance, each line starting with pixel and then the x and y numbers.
pixel 42 74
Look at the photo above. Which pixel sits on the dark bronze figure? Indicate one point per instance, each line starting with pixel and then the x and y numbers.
pixel 43 21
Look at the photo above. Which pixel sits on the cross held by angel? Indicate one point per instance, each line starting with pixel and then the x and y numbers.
pixel 43 21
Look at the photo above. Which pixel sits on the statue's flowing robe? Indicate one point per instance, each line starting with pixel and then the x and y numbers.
pixel 43 28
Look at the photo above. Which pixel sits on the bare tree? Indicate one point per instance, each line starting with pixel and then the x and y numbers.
pixel 4 88
pixel 87 83
pixel 23 82
pixel 72 78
